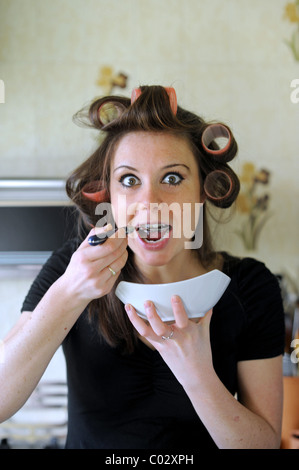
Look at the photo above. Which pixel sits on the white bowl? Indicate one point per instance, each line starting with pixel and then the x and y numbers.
pixel 198 294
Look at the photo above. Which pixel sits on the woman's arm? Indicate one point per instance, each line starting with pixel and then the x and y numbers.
pixel 252 422
pixel 31 343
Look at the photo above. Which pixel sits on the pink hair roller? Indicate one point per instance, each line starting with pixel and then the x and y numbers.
pixel 212 180
pixel 90 192
pixel 135 94
pixel 212 132
pixel 171 95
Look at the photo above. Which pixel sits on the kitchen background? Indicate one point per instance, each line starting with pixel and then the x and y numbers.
pixel 234 61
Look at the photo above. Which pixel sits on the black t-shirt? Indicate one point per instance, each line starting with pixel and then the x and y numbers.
pixel 119 401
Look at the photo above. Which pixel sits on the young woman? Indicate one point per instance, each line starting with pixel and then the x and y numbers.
pixel 210 382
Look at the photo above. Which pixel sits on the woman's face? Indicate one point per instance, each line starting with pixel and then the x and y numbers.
pixel 155 187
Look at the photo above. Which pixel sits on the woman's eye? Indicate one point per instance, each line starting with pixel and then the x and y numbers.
pixel 173 179
pixel 129 180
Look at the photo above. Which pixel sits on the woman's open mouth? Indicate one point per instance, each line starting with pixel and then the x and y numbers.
pixel 154 235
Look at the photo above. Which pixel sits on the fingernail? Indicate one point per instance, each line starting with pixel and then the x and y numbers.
pixel 148 304
pixel 108 227
pixel 176 299
pixel 128 308
pixel 100 230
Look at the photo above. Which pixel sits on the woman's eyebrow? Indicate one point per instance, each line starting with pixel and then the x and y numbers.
pixel 124 166
pixel 171 165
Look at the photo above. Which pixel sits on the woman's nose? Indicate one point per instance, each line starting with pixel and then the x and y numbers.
pixel 150 194
pixel 146 204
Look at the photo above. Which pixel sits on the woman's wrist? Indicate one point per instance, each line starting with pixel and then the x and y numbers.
pixel 202 380
pixel 68 298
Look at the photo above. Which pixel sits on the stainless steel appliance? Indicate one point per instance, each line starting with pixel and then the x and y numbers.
pixel 36 216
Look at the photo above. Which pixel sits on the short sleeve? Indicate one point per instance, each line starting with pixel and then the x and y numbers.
pixel 54 267
pixel 264 333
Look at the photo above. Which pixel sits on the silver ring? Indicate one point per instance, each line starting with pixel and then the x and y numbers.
pixel 168 337
pixel 111 270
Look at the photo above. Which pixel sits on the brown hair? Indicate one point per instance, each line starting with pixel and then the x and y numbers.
pixel 150 112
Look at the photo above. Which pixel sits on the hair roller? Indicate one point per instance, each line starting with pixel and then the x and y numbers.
pixel 228 149
pixel 104 111
pixel 107 111
pixel 95 192
pixel 221 187
pixel 172 99
pixel 136 92
pixel 171 95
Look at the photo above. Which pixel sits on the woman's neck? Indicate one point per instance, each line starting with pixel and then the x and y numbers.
pixel 176 270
